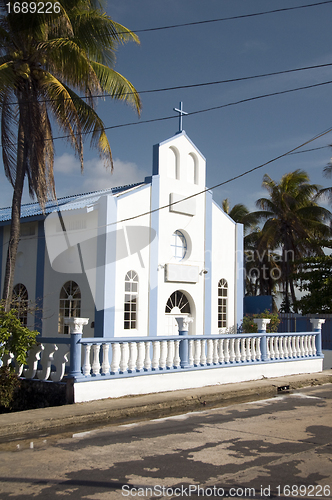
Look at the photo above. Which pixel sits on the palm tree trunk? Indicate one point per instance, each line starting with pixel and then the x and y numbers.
pixel 16 213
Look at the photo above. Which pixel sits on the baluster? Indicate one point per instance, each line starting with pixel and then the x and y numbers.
pixel 116 356
pixel 248 352
pixel 243 349
pixel 124 357
pixel 105 366
pixel 215 352
pixel 226 346
pixel 310 345
pixel 253 349
pixel 203 355
pixel 46 361
pixel 163 354
pixel 302 346
pixel 268 350
pixel 221 351
pixel 18 369
pixel 132 357
pixel 272 353
pixel 170 354
pixel 32 362
pixel 7 359
pixel 298 350
pixel 197 355
pixel 293 346
pixel 289 346
pixel 60 359
pixel 86 363
pixel 286 347
pixel 95 359
pixel 281 348
pixel 156 355
pixel 147 359
pixel 232 350
pixel 313 343
pixel 177 359
pixel 258 348
pixel 276 347
pixel 209 355
pixel 306 349
pixel 140 356
pixel 237 350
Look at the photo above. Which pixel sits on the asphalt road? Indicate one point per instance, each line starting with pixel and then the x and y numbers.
pixel 275 448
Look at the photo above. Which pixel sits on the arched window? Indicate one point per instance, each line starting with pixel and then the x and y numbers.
pixel 131 300
pixel 192 169
pixel 177 304
pixel 20 296
pixel 222 303
pixel 70 304
pixel 173 163
pixel 179 246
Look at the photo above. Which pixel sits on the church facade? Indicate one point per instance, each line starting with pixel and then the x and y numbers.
pixel 132 259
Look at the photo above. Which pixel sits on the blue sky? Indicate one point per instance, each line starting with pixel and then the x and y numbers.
pixel 235 138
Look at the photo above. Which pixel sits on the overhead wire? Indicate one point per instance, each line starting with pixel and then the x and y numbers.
pixel 231 18
pixel 189 86
pixel 234 103
pixel 246 172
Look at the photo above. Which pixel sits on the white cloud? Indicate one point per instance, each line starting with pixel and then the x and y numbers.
pixel 66 164
pixel 96 176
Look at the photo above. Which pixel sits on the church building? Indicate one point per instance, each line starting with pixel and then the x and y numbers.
pixel 133 258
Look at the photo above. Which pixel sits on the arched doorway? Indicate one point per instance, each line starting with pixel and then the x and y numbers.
pixel 177 305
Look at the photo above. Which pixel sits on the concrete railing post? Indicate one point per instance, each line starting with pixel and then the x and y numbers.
pixel 76 330
pixel 183 324
pixel 317 328
pixel 261 324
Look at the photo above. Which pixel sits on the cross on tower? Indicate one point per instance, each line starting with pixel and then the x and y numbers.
pixel 181 113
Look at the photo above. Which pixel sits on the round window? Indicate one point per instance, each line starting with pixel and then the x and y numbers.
pixel 179 246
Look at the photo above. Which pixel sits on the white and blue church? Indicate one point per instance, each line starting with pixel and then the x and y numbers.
pixel 132 258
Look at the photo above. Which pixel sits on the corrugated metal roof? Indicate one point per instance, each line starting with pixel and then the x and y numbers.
pixel 67 203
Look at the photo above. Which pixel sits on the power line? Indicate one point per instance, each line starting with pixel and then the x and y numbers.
pixel 234 103
pixel 231 18
pixel 193 85
pixel 243 174
pixel 291 151
pixel 172 117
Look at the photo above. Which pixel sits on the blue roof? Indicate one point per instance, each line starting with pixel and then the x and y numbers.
pixel 67 203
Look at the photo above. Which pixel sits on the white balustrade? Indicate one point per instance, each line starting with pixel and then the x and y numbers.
pixel 122 357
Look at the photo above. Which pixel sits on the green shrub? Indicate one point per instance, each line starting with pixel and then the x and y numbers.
pixel 17 339
pixel 9 382
pixel 249 326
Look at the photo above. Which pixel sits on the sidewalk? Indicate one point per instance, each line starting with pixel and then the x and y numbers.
pixel 84 416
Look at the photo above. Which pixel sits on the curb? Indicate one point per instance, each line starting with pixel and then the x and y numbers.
pixel 81 416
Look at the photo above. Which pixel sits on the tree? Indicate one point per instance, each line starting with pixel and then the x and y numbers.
pixel 240 214
pixel 294 222
pixel 315 277
pixel 46 62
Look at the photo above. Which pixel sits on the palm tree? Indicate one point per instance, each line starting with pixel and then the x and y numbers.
pixel 239 213
pixel 46 62
pixel 294 222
